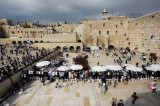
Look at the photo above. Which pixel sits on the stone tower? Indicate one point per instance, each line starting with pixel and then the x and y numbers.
pixel 105 14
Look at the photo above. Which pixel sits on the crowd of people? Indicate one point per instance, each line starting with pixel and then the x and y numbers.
pixel 51 73
pixel 24 56
pixel 127 55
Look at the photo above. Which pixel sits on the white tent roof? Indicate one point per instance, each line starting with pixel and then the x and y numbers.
pixel 63 68
pixel 150 68
pixel 136 69
pixel 113 67
pixel 42 63
pixel 156 67
pixel 76 67
pixel 99 68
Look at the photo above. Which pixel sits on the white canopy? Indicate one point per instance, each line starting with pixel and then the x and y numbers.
pixel 63 68
pixel 136 69
pixel 76 67
pixel 94 48
pixel 156 67
pixel 129 65
pixel 113 67
pixel 99 68
pixel 150 68
pixel 42 63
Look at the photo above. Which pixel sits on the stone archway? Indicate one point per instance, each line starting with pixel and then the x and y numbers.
pixel 31 42
pixel 65 49
pixel 36 41
pixel 110 47
pixel 25 42
pixel 58 48
pixel 78 48
pixel 71 48
pixel 14 42
pixel 19 42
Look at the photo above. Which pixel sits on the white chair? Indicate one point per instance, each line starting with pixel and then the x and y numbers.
pixel 151 78
pixel 141 79
pixel 61 80
pixel 92 80
pixel 88 81
pixel 5 103
pixel 66 79
pixel 145 78
pixel 133 80
pixel 75 80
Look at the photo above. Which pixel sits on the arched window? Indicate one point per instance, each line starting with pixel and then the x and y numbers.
pixel 58 48
pixel 14 42
pixel 71 48
pixel 24 41
pixel 78 48
pixel 65 48
pixel 36 41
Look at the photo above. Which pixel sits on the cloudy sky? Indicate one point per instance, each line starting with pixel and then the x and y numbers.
pixel 46 11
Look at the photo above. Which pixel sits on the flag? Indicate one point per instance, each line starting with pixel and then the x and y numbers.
pixel 28 40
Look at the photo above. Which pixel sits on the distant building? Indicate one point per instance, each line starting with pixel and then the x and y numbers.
pixel 5 21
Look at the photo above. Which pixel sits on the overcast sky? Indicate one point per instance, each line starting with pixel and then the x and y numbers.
pixel 72 10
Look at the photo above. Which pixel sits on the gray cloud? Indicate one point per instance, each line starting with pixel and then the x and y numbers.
pixel 72 10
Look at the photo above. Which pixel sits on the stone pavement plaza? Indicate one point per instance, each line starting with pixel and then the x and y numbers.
pixel 83 94
pixel 86 94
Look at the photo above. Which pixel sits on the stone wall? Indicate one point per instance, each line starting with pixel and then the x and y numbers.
pixel 61 38
pixel 101 32
pixel 68 28
pixel 143 34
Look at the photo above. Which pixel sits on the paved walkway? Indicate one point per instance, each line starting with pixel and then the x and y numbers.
pixel 83 94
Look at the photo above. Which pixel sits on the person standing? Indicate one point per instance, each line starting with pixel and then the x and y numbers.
pixel 120 103
pixel 113 101
pixel 99 83
pixel 135 97
pixel 126 61
pixel 57 81
pixel 43 81
pixel 115 83
pixel 98 63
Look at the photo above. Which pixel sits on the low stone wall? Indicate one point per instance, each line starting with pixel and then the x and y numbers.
pixel 6 84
